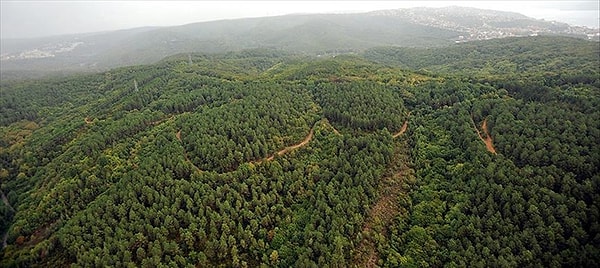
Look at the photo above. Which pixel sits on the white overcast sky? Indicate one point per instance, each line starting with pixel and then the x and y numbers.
pixel 24 19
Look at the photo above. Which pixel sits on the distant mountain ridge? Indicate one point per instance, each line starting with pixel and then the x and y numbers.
pixel 312 34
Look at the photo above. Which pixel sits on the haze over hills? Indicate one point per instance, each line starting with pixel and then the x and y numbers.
pixel 316 34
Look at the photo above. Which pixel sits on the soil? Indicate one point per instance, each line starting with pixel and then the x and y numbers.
pixel 178 135
pixel 40 234
pixel 157 122
pixel 293 147
pixel 488 141
pixel 404 127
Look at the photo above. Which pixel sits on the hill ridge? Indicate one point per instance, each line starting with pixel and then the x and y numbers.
pixel 309 34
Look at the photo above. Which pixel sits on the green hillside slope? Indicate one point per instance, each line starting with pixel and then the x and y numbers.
pixel 264 158
pixel 310 34
pixel 498 58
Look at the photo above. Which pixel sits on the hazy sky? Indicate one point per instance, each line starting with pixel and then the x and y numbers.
pixel 23 19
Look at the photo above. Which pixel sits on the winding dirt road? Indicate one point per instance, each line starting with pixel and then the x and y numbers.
pixel 293 147
pixel 288 149
pixel 279 153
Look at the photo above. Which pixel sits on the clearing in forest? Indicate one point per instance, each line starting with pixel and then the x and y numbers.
pixel 385 209
pixel 178 135
pixel 489 143
pixel 404 127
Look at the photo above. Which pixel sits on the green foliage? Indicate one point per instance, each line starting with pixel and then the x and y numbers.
pixel 535 202
pixel 361 105
pixel 237 160
pixel 499 58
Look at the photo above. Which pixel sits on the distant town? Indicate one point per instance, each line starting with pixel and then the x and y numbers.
pixel 47 51
pixel 478 24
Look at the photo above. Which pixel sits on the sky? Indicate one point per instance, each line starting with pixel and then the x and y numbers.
pixel 27 19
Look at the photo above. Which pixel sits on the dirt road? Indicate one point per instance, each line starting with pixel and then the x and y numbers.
pixel 403 128
pixel 293 147
pixel 489 143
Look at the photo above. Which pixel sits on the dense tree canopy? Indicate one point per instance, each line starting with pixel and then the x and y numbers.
pixel 262 159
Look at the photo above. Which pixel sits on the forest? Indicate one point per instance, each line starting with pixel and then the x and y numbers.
pixel 482 154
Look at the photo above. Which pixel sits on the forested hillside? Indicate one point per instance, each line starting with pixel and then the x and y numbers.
pixel 309 34
pixel 263 158
pixel 508 57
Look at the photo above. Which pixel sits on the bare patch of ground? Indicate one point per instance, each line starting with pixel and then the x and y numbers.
pixel 487 140
pixel 404 127
pixel 178 135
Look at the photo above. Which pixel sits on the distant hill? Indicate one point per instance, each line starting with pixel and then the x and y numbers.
pixel 500 57
pixel 315 34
